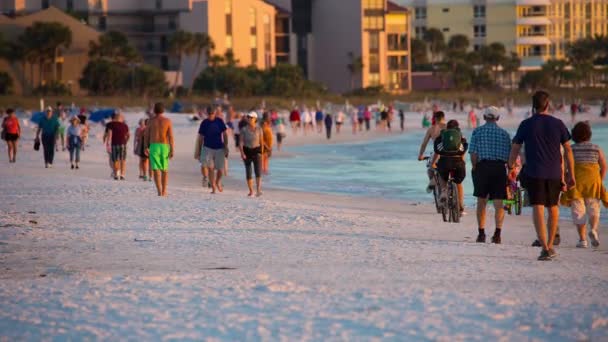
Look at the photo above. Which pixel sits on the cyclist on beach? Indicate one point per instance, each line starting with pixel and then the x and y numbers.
pixel 450 148
pixel 431 134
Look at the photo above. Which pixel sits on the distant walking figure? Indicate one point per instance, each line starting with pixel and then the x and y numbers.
pixel 158 141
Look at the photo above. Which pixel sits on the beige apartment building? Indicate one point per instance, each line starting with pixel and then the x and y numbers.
pixel 245 27
pixel 69 63
pixel 537 30
pixel 331 34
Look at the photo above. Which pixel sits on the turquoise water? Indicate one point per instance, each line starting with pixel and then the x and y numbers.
pixel 385 169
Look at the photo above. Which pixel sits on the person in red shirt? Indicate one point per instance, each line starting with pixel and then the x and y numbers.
pixel 11 131
pixel 294 119
pixel 118 133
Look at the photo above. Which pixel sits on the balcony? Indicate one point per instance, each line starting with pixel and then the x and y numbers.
pixel 533 41
pixel 533 2
pixel 534 21
pixel 143 29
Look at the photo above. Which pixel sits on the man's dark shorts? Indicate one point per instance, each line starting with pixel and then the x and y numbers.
pixel 543 191
pixel 455 164
pixel 119 153
pixel 490 180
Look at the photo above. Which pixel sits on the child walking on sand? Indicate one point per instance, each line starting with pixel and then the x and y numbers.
pixel 589 172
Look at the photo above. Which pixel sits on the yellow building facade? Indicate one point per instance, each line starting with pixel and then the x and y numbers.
pixel 537 30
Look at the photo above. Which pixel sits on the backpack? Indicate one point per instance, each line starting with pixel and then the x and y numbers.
pixel 451 140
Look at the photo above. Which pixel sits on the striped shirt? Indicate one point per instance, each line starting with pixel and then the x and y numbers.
pixel 490 142
pixel 586 152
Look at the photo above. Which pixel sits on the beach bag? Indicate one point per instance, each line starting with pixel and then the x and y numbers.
pixel 3 134
pixel 451 140
pixel 37 145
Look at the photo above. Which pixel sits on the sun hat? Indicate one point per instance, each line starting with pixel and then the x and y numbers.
pixel 252 115
pixel 491 113
pixel 49 109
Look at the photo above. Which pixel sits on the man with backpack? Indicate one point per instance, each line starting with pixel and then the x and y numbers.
pixel 450 148
pixel 490 148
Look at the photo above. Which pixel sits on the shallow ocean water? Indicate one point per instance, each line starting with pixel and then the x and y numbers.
pixel 386 168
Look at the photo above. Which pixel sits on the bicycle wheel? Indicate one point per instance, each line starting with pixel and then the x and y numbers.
pixel 436 198
pixel 454 203
pixel 518 201
pixel 444 213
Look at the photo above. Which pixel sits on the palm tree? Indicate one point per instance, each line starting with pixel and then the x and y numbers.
pixel 493 56
pixel 580 55
pixel 510 66
pixel 436 43
pixel 180 45
pixel 202 44
pixel 60 37
pixel 355 66
pixel 419 52
pixel 458 42
pixel 556 69
pixel 114 46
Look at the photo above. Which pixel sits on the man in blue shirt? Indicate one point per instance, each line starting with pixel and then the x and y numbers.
pixel 543 136
pixel 49 127
pixel 489 149
pixel 212 147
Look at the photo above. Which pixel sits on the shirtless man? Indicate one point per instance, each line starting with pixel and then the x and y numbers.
pixel 431 134
pixel 158 143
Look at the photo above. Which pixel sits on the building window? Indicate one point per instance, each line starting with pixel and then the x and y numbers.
pixel 267 43
pixel 420 12
pixel 445 10
pixel 228 6
pixel 374 79
pixel 479 11
pixel 254 56
pixel 420 31
pixel 446 29
pixel 229 43
pixel 44 4
pixel 70 5
pixel 373 23
pixel 172 23
pixel 374 63
pixel 159 4
pixel 479 30
pixel 252 17
pixel 373 4
pixel 374 41
pixel 476 47
pixel 102 24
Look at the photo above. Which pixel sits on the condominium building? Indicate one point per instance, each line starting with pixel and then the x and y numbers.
pixel 334 36
pixel 536 29
pixel 147 23
pixel 66 68
pixel 245 27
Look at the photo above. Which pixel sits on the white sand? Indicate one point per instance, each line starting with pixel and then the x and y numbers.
pixel 86 257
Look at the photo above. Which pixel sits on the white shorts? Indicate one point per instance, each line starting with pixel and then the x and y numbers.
pixel 583 209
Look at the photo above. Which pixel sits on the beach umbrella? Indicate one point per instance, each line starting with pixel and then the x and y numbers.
pixel 101 115
pixel 37 117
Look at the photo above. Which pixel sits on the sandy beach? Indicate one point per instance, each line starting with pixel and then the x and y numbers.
pixel 86 257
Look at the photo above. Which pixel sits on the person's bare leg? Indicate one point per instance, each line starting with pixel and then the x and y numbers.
pixel 499 213
pixel 538 217
pixel 250 186
pixel 158 182
pixel 218 181
pixel 258 186
pixel 164 181
pixel 116 165
pixel 552 223
pixel 15 144
pixel 582 232
pixel 481 212
pixel 211 179
pixel 123 167
pixel 460 195
pixel 10 151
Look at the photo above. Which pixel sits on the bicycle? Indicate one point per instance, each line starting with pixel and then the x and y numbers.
pixel 435 189
pixel 450 211
pixel 515 198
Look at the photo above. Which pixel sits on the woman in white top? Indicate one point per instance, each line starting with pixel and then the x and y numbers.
pixel 73 141
pixel 252 147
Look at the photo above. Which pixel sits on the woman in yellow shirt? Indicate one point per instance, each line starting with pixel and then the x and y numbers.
pixel 267 150
pixel 589 171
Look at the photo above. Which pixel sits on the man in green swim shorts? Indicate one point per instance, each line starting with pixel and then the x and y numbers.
pixel 158 141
